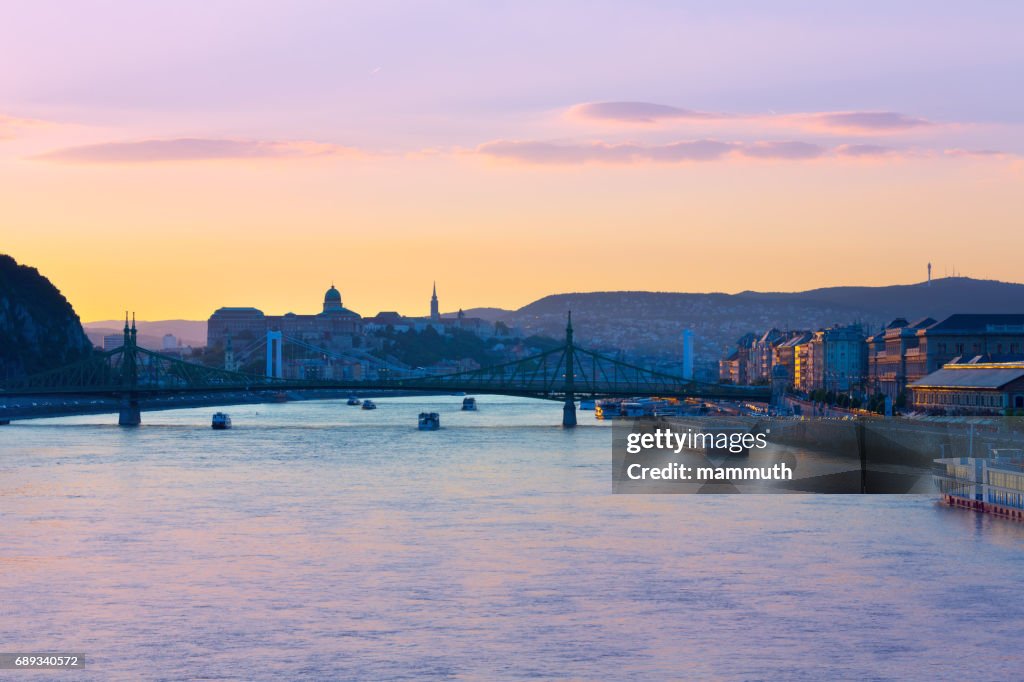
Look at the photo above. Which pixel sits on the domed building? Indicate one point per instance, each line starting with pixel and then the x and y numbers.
pixel 333 329
pixel 332 304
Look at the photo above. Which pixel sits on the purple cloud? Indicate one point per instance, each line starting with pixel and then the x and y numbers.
pixel 975 152
pixel 189 149
pixel 782 150
pixel 848 121
pixel 636 112
pixel 869 121
pixel 863 150
pixel 602 152
pixel 538 152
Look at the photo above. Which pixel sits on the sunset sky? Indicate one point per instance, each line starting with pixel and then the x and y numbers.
pixel 172 158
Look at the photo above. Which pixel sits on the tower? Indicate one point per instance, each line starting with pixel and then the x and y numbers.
pixel 229 357
pixel 929 274
pixel 688 354
pixel 275 339
pixel 435 313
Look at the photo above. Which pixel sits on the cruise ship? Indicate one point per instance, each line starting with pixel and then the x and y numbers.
pixel 991 485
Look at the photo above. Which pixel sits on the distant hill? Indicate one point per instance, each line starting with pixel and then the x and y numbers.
pixel 489 314
pixel 650 322
pixel 941 298
pixel 39 329
pixel 151 334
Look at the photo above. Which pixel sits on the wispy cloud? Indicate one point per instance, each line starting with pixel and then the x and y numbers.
pixel 541 152
pixel 981 153
pixel 11 126
pixel 537 152
pixel 781 150
pixel 636 112
pixel 864 150
pixel 848 122
pixel 867 121
pixel 192 149
pixel 552 153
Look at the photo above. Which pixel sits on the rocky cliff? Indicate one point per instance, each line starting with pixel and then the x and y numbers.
pixel 39 329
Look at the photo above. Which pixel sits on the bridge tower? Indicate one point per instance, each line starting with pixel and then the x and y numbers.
pixel 569 409
pixel 275 340
pixel 129 413
pixel 229 357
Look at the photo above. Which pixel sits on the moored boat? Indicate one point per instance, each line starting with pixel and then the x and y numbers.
pixel 352 400
pixel 369 405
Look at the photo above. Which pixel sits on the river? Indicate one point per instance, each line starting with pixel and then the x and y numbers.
pixel 320 541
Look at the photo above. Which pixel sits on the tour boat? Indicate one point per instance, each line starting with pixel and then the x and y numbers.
pixel 221 421
pixel 352 400
pixel 430 421
pixel 369 405
pixel 608 409
pixel 469 404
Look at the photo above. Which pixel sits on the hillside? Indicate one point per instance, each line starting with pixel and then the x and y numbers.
pixel 650 322
pixel 38 327
pixel 151 334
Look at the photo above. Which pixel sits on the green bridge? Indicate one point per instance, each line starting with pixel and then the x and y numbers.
pixel 131 373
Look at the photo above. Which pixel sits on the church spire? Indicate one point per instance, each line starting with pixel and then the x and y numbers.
pixel 435 312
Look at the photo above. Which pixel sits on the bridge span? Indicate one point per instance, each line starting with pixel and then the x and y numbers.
pixel 133 375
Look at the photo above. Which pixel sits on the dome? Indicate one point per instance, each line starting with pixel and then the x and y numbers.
pixel 332 295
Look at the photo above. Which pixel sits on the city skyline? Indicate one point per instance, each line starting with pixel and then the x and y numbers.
pixel 249 155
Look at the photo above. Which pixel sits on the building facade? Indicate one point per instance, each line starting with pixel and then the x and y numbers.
pixel 904 353
pixel 334 328
pixel 983 385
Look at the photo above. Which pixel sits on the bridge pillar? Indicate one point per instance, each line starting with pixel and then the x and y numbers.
pixel 130 414
pixel 569 413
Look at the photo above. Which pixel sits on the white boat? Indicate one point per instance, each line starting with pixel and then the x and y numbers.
pixel 220 421
pixel 430 421
pixel 369 405
pixel 469 404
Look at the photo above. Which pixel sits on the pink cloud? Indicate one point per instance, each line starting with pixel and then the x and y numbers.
pixel 553 153
pixel 11 125
pixel 536 152
pixel 635 112
pixel 867 121
pixel 782 150
pixel 191 149
pixel 864 150
pixel 982 153
pixel 850 122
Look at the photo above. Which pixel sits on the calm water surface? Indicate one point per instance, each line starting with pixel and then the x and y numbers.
pixel 320 541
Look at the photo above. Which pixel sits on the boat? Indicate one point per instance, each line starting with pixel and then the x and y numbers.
pixel 220 421
pixel 608 409
pixel 993 484
pixel 369 405
pixel 352 400
pixel 468 404
pixel 430 421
